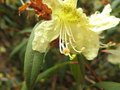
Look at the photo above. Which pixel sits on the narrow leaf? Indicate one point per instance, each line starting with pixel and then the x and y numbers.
pixel 18 48
pixel 78 72
pixel 24 87
pixel 108 85
pixel 33 63
pixel 52 70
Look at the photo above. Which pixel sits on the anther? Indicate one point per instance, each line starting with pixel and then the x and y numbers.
pixel 83 48
pixel 66 51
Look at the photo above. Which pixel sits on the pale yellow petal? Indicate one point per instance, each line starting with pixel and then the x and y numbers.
pixel 114 59
pixel 107 9
pixel 114 56
pixel 103 21
pixel 44 33
pixel 87 39
pixel 55 4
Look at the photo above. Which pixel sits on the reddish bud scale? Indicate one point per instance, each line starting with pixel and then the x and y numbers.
pixel 42 10
pixel 105 2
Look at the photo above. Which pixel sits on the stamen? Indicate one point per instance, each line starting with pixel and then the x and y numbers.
pixel 66 51
pixel 63 42
pixel 66 43
pixel 107 45
pixel 82 49
pixel 30 9
pixel 65 39
pixel 73 46
pixel 67 30
pixel 22 2
pixel 71 34
pixel 60 42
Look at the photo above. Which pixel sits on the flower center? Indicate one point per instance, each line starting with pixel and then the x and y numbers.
pixel 68 13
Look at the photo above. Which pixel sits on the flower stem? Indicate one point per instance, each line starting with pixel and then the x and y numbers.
pixel 78 72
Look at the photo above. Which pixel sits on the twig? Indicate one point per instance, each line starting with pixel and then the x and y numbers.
pixel 93 73
pixel 90 80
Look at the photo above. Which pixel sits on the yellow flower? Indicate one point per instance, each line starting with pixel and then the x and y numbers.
pixel 76 31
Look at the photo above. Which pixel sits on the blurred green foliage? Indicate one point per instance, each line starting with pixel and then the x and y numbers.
pixel 14 33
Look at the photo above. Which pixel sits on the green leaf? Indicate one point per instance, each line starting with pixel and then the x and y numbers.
pixel 33 63
pixel 10 15
pixel 115 3
pixel 24 86
pixel 108 85
pixel 27 30
pixel 49 72
pixel 19 47
pixel 78 71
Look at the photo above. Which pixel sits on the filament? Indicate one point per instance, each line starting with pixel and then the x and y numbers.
pixel 22 2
